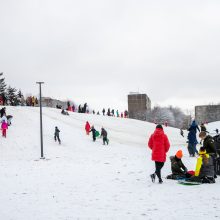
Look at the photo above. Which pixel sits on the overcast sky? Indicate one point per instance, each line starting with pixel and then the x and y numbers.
pixel 97 51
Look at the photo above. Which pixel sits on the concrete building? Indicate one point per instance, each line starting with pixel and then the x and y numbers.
pixel 207 113
pixel 49 102
pixel 138 104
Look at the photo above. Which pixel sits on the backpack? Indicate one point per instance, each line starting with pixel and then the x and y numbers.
pixel 217 143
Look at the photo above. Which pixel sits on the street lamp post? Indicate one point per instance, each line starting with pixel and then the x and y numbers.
pixel 41 123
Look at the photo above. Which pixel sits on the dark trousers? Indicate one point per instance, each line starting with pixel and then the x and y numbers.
pixel 56 137
pixel 159 166
pixel 4 132
pixel 105 139
pixel 192 149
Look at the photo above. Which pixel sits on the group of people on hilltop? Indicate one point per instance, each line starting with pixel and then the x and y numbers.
pixel 205 171
pixel 85 109
pixel 95 133
pixel 5 121
pixel 31 101
pixel 113 113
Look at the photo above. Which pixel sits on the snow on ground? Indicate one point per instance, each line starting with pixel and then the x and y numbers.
pixel 84 180
pixel 211 127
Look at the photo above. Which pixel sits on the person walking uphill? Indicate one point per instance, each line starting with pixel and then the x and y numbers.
pixel 57 135
pixel 87 128
pixel 104 134
pixel 93 133
pixel 159 144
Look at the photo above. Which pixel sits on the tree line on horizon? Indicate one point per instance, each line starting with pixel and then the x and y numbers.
pixel 9 95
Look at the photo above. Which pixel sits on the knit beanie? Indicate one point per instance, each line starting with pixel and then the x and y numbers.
pixel 202 151
pixel 179 154
pixel 159 126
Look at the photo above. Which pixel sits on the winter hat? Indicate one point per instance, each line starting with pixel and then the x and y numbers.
pixel 202 134
pixel 202 151
pixel 159 126
pixel 179 154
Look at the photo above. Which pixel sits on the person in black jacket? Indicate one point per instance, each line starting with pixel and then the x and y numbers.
pixel 210 148
pixel 57 135
pixel 103 111
pixel 208 143
pixel 178 168
pixel 93 133
pixel 104 134
pixel 3 111
pixel 203 127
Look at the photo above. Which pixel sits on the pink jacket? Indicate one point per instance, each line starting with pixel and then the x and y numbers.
pixel 4 125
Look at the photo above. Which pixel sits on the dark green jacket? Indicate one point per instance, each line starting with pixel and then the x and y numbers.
pixel 177 166
pixel 209 145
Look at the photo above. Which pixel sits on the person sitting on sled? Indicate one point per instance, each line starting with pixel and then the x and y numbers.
pixel 179 171
pixel 204 172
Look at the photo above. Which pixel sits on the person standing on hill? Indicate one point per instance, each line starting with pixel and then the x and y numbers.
pixel 57 135
pixel 3 112
pixel 194 127
pixel 4 128
pixel 203 127
pixel 117 113
pixel 159 144
pixel 103 112
pixel 192 142
pixel 93 133
pixel 181 132
pixel 87 128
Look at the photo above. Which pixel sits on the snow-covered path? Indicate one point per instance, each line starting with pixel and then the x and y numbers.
pixel 84 180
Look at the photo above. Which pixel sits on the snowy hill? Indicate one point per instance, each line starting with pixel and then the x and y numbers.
pixel 84 180
pixel 211 127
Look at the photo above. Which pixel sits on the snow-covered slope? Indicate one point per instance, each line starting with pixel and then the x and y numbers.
pixel 211 127
pixel 84 180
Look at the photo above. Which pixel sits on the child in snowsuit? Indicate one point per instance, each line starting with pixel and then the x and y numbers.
pixel 178 168
pixel 93 133
pixel 204 172
pixel 4 128
pixel 87 128
pixel 104 134
pixel 57 135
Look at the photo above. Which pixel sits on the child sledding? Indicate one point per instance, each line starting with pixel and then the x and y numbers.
pixel 179 171
pixel 204 172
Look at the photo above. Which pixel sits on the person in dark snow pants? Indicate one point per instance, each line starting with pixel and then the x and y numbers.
pixel 57 135
pixel 104 135
pixel 159 144
pixel 93 133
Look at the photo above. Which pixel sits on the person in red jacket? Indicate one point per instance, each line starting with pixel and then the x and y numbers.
pixel 159 144
pixel 87 128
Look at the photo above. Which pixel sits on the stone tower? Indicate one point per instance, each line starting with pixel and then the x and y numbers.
pixel 138 104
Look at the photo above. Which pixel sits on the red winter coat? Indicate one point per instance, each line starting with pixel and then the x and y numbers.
pixel 159 144
pixel 87 127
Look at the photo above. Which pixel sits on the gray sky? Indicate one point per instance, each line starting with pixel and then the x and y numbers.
pixel 98 51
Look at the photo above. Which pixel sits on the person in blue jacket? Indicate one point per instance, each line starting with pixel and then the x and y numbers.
pixel 192 142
